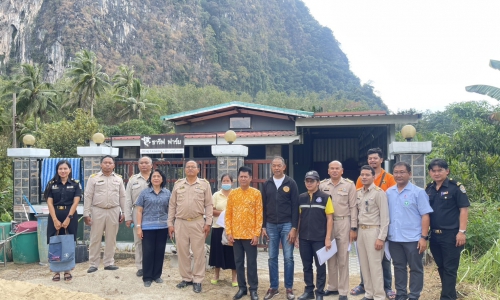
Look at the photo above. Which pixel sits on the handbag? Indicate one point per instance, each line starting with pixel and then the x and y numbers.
pixel 62 252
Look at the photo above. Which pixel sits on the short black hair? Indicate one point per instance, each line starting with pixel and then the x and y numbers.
pixel 375 151
pixel 438 162
pixel 104 157
pixel 163 177
pixel 245 169
pixel 367 167
pixel 402 163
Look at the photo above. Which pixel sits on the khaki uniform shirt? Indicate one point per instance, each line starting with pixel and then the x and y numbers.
pixel 373 209
pixel 135 186
pixel 191 201
pixel 104 192
pixel 343 198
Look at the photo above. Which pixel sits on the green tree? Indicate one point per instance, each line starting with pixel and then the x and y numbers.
pixel 134 101
pixel 487 90
pixel 123 81
pixel 63 137
pixel 34 96
pixel 89 82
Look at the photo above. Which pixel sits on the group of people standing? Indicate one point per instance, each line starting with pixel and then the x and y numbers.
pixel 380 208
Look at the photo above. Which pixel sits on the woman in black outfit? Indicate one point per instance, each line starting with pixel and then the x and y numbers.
pixel 62 194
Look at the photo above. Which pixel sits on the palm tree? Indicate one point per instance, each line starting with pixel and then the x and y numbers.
pixel 488 90
pixel 123 80
pixel 88 80
pixel 34 96
pixel 135 105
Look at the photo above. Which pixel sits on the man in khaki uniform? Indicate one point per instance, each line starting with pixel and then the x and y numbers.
pixel 135 185
pixel 191 199
pixel 104 197
pixel 373 219
pixel 345 216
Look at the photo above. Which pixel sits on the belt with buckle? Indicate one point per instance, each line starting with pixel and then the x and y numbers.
pixel 60 207
pixel 339 218
pixel 437 231
pixel 368 226
pixel 193 219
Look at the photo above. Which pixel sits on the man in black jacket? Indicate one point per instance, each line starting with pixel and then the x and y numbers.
pixel 315 230
pixel 280 200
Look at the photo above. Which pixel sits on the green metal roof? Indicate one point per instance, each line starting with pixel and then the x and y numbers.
pixel 267 108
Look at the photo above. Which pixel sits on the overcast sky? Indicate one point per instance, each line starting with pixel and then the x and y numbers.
pixel 417 54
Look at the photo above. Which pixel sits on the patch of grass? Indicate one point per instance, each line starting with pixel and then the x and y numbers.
pixel 483 273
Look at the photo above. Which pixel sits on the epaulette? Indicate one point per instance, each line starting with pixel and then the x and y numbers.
pixel 75 180
pixel 324 180
pixel 459 185
pixel 205 180
pixel 378 188
pixel 348 180
pixel 93 175
pixel 454 182
pixel 119 175
pixel 359 189
pixel 51 182
pixel 178 180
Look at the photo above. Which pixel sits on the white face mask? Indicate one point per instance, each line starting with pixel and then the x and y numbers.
pixel 226 186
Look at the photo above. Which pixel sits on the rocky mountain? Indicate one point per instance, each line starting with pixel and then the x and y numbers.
pixel 238 45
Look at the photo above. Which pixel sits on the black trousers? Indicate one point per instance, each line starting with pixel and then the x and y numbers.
pixel 405 254
pixel 447 258
pixel 153 253
pixel 307 254
pixel 240 248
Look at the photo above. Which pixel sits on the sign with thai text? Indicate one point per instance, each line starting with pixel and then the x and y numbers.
pixel 165 143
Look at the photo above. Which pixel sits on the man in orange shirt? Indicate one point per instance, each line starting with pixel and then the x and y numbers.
pixel 384 181
pixel 243 222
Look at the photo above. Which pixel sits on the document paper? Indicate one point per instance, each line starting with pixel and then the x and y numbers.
pixel 324 255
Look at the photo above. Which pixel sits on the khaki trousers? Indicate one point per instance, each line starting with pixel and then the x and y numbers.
pixel 137 241
pixel 338 265
pixel 190 234
pixel 103 220
pixel 370 261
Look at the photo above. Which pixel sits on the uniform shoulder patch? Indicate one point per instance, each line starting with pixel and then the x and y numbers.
pixel 324 180
pixel 119 175
pixel 359 189
pixel 178 180
pixel 378 189
pixel 429 184
pixel 462 189
pixel 348 180
pixel 75 180
pixel 205 180
pixel 93 175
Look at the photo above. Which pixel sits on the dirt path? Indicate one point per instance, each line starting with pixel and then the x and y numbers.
pixel 34 282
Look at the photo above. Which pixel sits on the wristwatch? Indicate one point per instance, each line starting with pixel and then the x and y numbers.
pixel 354 228
pixel 462 231
pixel 70 217
pixel 425 237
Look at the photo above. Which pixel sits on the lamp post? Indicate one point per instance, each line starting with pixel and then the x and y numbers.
pixel 98 138
pixel 408 132
pixel 29 141
pixel 230 136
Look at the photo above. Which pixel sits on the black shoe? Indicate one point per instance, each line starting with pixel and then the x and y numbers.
pixel 184 284
pixel 197 287
pixel 253 295
pixel 111 268
pixel 342 297
pixel 91 270
pixel 401 298
pixel 364 298
pixel 139 273
pixel 147 283
pixel 306 295
pixel 329 293
pixel 319 297
pixel 158 280
pixel 241 292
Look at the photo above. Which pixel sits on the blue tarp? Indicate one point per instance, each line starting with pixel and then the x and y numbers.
pixel 49 170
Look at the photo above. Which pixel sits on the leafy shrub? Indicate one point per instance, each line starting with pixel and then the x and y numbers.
pixel 483 228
